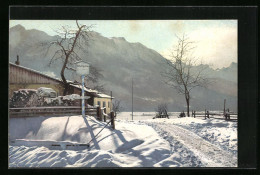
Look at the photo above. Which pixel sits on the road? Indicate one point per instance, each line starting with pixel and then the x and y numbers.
pixel 209 154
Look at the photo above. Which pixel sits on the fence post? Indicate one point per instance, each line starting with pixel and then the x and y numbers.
pixel 205 114
pixel 228 114
pixel 105 118
pixel 193 113
pixel 99 113
pixel 112 114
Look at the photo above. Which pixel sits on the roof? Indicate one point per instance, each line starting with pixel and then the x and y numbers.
pixel 35 71
pixel 91 91
pixel 100 95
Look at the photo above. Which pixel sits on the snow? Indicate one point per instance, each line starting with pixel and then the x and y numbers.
pixel 71 97
pixel 144 142
pixel 100 95
pixel 85 89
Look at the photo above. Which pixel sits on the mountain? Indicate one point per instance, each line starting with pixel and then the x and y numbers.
pixel 120 61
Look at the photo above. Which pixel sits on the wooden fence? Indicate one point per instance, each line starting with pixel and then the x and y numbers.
pixel 99 113
pixel 218 115
pixel 50 111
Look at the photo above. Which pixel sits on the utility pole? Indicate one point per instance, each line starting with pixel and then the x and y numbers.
pixel 224 106
pixel 111 101
pixel 132 100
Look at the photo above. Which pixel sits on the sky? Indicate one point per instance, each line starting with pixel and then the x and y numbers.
pixel 215 40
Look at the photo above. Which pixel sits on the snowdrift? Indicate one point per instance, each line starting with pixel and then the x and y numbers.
pixel 129 145
pixel 143 142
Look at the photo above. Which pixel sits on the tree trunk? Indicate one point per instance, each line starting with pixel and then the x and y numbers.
pixel 66 89
pixel 66 85
pixel 188 106
pixel 187 98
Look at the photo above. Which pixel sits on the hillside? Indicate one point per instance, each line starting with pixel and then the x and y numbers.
pixel 120 61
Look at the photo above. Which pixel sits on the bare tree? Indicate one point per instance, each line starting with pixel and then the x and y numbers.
pixel 69 43
pixel 162 109
pixel 92 79
pixel 117 107
pixel 182 71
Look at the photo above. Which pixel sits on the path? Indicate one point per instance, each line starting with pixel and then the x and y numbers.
pixel 209 154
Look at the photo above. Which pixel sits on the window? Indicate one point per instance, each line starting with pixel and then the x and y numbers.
pixel 108 104
pixel 104 104
pixel 98 103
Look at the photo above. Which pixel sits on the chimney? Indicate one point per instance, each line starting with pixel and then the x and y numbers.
pixel 17 61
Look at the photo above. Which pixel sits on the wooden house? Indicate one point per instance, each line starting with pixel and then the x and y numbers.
pixel 25 78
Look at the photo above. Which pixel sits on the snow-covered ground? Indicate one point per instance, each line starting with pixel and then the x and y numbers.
pixel 143 142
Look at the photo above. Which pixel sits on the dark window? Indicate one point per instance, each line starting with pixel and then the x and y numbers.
pixel 98 103
pixel 104 104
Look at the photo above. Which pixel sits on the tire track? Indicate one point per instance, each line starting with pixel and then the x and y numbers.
pixel 209 154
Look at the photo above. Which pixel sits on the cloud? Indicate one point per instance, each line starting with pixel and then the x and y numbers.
pixel 216 46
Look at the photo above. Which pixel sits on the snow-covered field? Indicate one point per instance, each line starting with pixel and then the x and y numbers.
pixel 143 142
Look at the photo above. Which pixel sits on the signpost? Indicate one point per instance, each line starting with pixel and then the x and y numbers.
pixel 82 69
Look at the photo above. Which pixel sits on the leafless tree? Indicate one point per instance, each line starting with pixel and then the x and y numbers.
pixel 117 107
pixel 162 109
pixel 69 43
pixel 182 71
pixel 92 79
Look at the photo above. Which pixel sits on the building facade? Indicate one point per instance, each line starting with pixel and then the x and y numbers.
pixel 25 78
pixel 104 101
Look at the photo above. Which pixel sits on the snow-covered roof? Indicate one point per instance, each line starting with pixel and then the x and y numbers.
pixel 100 95
pixel 85 89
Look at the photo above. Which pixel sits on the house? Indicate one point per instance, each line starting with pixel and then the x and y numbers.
pixel 104 100
pixel 25 78
pixel 97 98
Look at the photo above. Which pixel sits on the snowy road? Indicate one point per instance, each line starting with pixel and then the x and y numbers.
pixel 209 154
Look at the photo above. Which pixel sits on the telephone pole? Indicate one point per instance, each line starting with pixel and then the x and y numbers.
pixel 132 100
pixel 111 101
pixel 224 106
